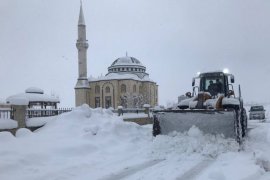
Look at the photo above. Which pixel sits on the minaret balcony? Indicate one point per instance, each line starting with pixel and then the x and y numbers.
pixel 82 44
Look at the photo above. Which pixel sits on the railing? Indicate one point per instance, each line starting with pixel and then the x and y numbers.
pixel 6 113
pixel 46 112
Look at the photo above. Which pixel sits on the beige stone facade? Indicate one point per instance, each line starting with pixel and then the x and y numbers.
pixel 126 84
pixel 128 93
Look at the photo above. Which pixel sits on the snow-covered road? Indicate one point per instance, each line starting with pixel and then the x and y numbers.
pixel 95 144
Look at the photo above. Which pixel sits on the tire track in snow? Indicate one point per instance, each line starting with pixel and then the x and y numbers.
pixel 132 170
pixel 196 170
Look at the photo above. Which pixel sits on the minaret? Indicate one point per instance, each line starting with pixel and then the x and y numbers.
pixel 82 87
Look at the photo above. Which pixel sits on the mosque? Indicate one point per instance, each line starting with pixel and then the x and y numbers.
pixel 126 84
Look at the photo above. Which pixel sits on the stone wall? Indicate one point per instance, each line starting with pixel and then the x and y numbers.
pixel 140 121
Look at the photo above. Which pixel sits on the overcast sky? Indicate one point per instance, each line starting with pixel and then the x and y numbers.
pixel 174 39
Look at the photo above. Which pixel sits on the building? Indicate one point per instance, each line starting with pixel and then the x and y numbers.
pixel 126 84
pixel 34 97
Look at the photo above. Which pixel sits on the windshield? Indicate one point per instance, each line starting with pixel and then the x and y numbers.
pixel 213 85
pixel 256 108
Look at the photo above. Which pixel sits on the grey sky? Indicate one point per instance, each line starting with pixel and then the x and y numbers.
pixel 174 39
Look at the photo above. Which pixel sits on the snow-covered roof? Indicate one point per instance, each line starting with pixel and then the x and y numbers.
pixel 2 102
pixel 82 83
pixel 26 98
pixel 126 60
pixel 34 90
pixel 120 76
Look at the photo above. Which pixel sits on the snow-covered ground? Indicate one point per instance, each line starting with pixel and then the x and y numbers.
pixel 96 144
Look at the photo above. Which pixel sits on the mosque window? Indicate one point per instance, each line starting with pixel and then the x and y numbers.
pixel 118 69
pixel 97 89
pixel 97 102
pixel 107 89
pixel 131 69
pixel 134 88
pixel 140 89
pixel 123 88
pixel 123 69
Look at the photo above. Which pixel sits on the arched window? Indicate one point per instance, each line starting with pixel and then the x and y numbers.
pixel 141 89
pixel 123 88
pixel 107 89
pixel 134 88
pixel 97 89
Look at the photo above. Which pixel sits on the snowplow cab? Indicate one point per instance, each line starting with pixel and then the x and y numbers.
pixel 215 83
pixel 212 107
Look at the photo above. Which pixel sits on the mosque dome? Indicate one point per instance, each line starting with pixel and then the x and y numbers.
pixel 127 64
pixel 126 61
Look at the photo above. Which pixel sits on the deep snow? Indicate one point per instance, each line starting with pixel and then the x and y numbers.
pixel 96 144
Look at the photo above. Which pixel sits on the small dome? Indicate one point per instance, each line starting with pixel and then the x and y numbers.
pixel 34 90
pixel 126 61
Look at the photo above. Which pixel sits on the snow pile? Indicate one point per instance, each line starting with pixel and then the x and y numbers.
pixel 8 124
pixel 85 143
pixel 96 144
pixel 86 122
pixel 23 132
pixel 192 142
pixel 259 143
pixel 39 121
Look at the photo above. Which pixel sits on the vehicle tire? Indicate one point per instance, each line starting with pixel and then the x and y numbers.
pixel 244 122
pixel 238 127
pixel 156 127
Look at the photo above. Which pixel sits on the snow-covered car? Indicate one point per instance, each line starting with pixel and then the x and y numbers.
pixel 257 112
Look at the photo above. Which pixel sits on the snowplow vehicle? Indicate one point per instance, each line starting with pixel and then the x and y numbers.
pixel 212 107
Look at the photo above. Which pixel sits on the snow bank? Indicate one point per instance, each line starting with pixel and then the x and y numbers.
pixel 88 143
pixel 23 132
pixel 39 121
pixel 192 142
pixel 8 124
pixel 259 143
pixel 94 144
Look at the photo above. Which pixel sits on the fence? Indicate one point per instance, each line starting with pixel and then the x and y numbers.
pixel 46 112
pixel 6 113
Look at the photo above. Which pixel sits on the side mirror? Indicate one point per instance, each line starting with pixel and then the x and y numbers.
pixel 188 94
pixel 193 82
pixel 231 93
pixel 232 79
